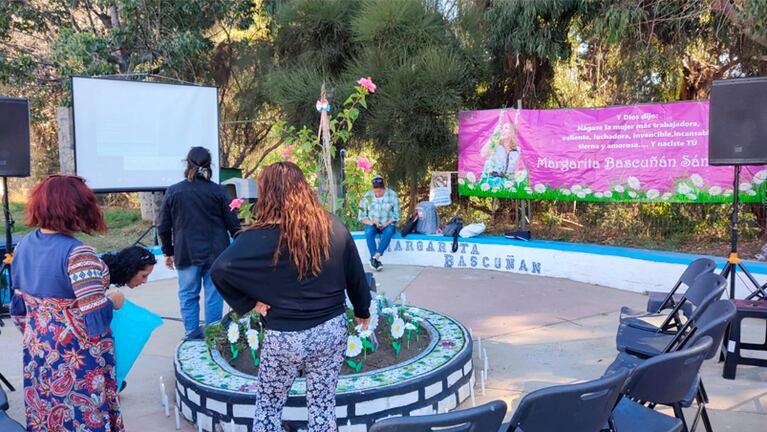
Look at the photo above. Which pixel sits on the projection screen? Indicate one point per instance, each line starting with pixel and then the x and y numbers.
pixel 134 136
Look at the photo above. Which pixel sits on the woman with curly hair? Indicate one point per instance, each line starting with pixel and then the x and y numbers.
pixel 293 265
pixel 130 267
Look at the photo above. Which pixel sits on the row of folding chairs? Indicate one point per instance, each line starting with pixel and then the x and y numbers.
pixel 660 353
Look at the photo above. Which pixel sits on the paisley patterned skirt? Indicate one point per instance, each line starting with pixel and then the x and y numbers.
pixel 69 378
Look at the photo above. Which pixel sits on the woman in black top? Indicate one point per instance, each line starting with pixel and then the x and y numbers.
pixel 293 265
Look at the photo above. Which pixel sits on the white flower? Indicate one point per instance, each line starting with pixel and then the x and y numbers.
pixel 714 190
pixel 581 195
pixel 653 194
pixel 520 176
pixel 565 192
pixel 696 180
pixel 252 336
pixel 397 328
pixel 508 184
pixel 666 196
pixel 461 181
pixel 365 333
pixel 619 188
pixel 496 189
pixel 587 191
pixel 539 188
pixel 353 346
pixel 760 177
pixel 745 186
pixel 410 326
pixel 513 189
pixel 387 311
pixel 751 192
pixel 471 185
pixel 598 195
pixel 418 319
pixel 633 183
pixel 414 310
pixel 373 307
pixel 727 192
pixel 632 194
pixel 233 333
pixel 485 187
pixel 576 188
pixel 692 196
pixel 683 188
pixel 470 177
pixel 608 194
pixel 528 190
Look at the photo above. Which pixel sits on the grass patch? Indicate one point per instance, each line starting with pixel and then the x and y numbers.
pixel 124 227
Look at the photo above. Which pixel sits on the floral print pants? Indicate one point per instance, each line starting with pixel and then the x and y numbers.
pixel 319 352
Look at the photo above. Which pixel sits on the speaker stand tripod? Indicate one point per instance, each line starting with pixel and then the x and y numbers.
pixel 733 261
pixel 5 270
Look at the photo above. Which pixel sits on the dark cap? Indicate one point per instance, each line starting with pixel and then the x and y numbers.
pixel 199 156
pixel 378 181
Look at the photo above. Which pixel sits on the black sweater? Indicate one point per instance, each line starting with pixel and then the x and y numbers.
pixel 195 222
pixel 245 273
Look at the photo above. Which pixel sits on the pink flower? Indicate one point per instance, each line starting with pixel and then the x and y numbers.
pixel 368 84
pixel 364 164
pixel 236 204
pixel 288 151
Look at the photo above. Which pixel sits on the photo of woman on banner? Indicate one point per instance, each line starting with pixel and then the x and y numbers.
pixel 501 152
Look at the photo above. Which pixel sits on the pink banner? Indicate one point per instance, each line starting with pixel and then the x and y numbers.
pixel 653 152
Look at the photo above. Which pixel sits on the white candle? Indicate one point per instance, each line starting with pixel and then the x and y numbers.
pixel 482 382
pixel 479 346
pixel 165 405
pixel 471 393
pixel 486 362
pixel 178 418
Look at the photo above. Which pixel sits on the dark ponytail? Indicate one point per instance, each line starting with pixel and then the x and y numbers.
pixel 126 263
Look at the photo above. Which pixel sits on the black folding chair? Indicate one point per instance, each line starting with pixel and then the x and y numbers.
pixel 712 324
pixel 687 305
pixel 659 300
pixel 484 418
pixel 644 342
pixel 583 407
pixel 7 424
pixel 662 380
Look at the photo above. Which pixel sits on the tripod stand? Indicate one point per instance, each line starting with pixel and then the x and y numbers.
pixel 5 270
pixel 733 261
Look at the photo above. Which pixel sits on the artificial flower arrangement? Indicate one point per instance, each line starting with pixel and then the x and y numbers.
pixel 396 333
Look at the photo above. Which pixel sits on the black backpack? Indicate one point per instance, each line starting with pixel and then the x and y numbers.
pixel 452 229
pixel 409 225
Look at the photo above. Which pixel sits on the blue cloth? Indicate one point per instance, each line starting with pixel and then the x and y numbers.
pixel 40 265
pixel 190 281
pixel 132 326
pixel 371 232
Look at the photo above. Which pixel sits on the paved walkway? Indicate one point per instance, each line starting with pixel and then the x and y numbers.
pixel 537 332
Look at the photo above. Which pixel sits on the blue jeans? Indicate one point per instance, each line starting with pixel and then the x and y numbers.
pixel 371 232
pixel 190 281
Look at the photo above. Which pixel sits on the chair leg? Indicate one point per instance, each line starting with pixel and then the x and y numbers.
pixel 702 399
pixel 680 415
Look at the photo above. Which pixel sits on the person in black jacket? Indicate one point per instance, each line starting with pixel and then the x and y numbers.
pixel 293 266
pixel 195 225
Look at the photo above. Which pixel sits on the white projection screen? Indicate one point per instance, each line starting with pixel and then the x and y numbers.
pixel 134 136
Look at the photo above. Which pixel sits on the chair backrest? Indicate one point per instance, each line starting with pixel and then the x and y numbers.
pixel 667 378
pixel 487 417
pixel 702 287
pixel 713 323
pixel 697 268
pixel 584 407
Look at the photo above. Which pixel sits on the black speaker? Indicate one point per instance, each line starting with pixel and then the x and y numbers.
pixel 14 137
pixel 738 122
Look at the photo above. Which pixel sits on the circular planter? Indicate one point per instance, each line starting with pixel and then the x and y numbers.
pixel 210 392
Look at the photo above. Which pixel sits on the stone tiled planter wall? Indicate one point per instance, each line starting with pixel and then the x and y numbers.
pixel 209 392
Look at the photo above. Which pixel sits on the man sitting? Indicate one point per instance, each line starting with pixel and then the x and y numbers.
pixel 380 212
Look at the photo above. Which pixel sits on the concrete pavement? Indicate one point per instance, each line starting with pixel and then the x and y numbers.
pixel 537 332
